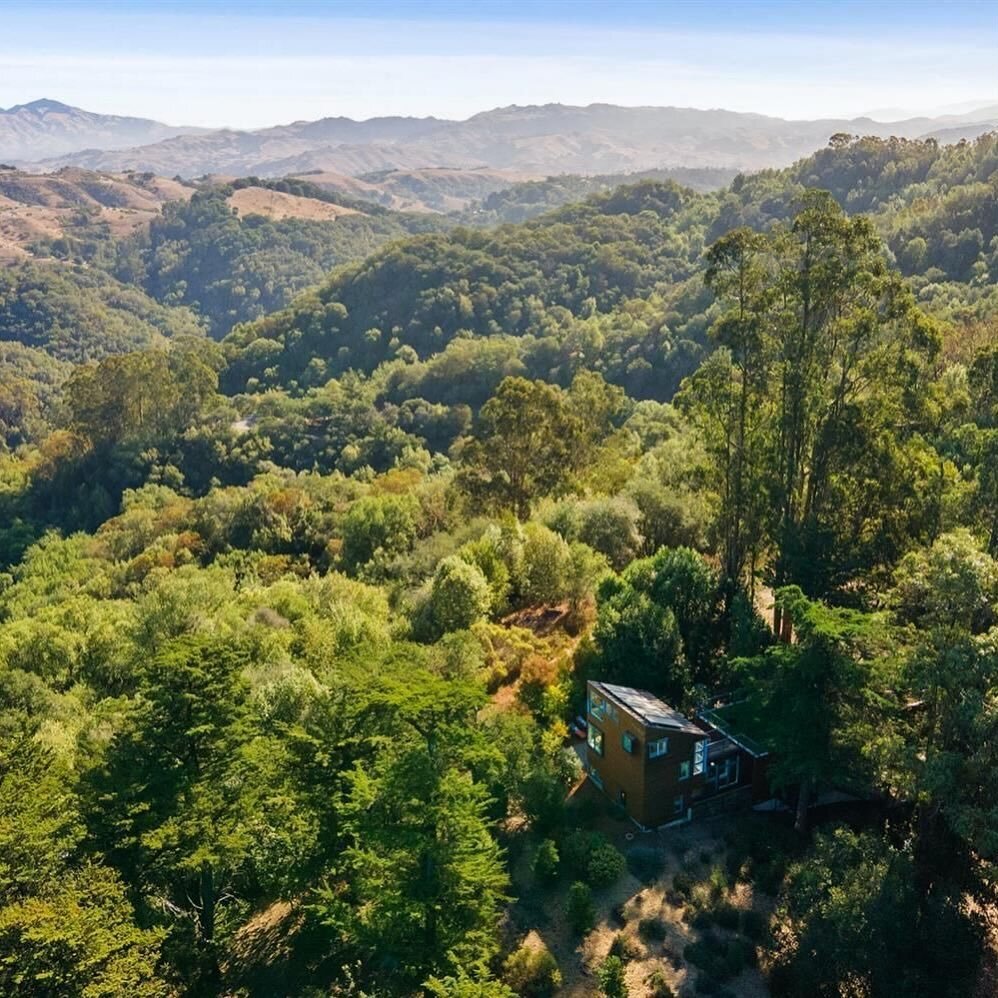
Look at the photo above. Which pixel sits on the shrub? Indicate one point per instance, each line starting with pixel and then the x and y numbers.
pixel 720 959
pixel 544 801
pixel 726 915
pixel 645 863
pixel 546 862
pixel 579 908
pixel 611 978
pixel 652 928
pixel 532 971
pixel 575 849
pixel 658 986
pixel 682 884
pixel 626 947
pixel 718 884
pixel 605 865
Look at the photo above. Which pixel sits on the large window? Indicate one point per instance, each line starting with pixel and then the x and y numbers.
pixel 658 747
pixel 595 739
pixel 723 773
pixel 700 756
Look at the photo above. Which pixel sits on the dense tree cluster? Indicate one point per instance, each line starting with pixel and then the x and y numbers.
pixel 292 626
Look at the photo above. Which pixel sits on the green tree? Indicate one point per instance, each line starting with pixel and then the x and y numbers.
pixel 612 983
pixel 579 908
pixel 426 873
pixel 460 595
pixel 78 938
pixel 522 446
pixel 811 697
pixel 167 807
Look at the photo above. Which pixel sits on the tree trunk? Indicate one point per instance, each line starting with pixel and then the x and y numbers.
pixel 803 802
pixel 207 903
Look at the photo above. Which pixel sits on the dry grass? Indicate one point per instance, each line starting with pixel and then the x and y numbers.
pixel 276 205
pixel 621 908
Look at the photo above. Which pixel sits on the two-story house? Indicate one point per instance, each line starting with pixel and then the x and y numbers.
pixel 659 765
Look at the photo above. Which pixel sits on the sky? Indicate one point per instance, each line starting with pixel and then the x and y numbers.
pixel 261 62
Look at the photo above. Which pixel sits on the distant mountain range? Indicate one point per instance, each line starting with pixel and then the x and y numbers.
pixel 46 128
pixel 535 140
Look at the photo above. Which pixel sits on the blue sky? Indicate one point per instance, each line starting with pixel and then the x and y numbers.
pixel 251 64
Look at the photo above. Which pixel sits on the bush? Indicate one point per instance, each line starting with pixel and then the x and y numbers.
pixel 579 908
pixel 532 971
pixel 658 986
pixel 546 862
pixel 727 916
pixel 544 801
pixel 575 849
pixel 626 947
pixel 611 978
pixel 717 884
pixel 652 928
pixel 605 866
pixel 720 959
pixel 645 863
pixel 682 884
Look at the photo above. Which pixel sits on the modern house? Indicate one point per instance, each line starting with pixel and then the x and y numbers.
pixel 663 767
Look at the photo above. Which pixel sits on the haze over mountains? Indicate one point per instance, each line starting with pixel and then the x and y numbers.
pixel 46 128
pixel 538 140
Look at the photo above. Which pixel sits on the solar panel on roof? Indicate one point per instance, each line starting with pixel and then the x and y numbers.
pixel 649 708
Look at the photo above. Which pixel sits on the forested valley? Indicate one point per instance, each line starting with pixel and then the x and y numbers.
pixel 312 533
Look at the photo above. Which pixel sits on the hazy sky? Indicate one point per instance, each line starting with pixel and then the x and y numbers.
pixel 251 64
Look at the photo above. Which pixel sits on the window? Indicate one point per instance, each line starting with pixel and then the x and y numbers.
pixel 724 773
pixel 596 778
pixel 660 746
pixel 595 739
pixel 678 805
pixel 629 742
pixel 597 706
pixel 684 770
pixel 700 757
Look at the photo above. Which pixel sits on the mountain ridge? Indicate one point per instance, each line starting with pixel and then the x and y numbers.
pixel 538 139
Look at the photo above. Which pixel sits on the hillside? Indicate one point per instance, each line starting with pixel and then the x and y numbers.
pixel 278 206
pixel 537 140
pixel 617 278
pixel 41 209
pixel 47 128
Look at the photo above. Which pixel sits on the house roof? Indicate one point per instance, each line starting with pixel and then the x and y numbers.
pixel 648 708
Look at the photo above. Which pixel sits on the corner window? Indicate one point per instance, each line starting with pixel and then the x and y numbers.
pixel 700 756
pixel 595 739
pixel 597 705
pixel 684 770
pixel 658 747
